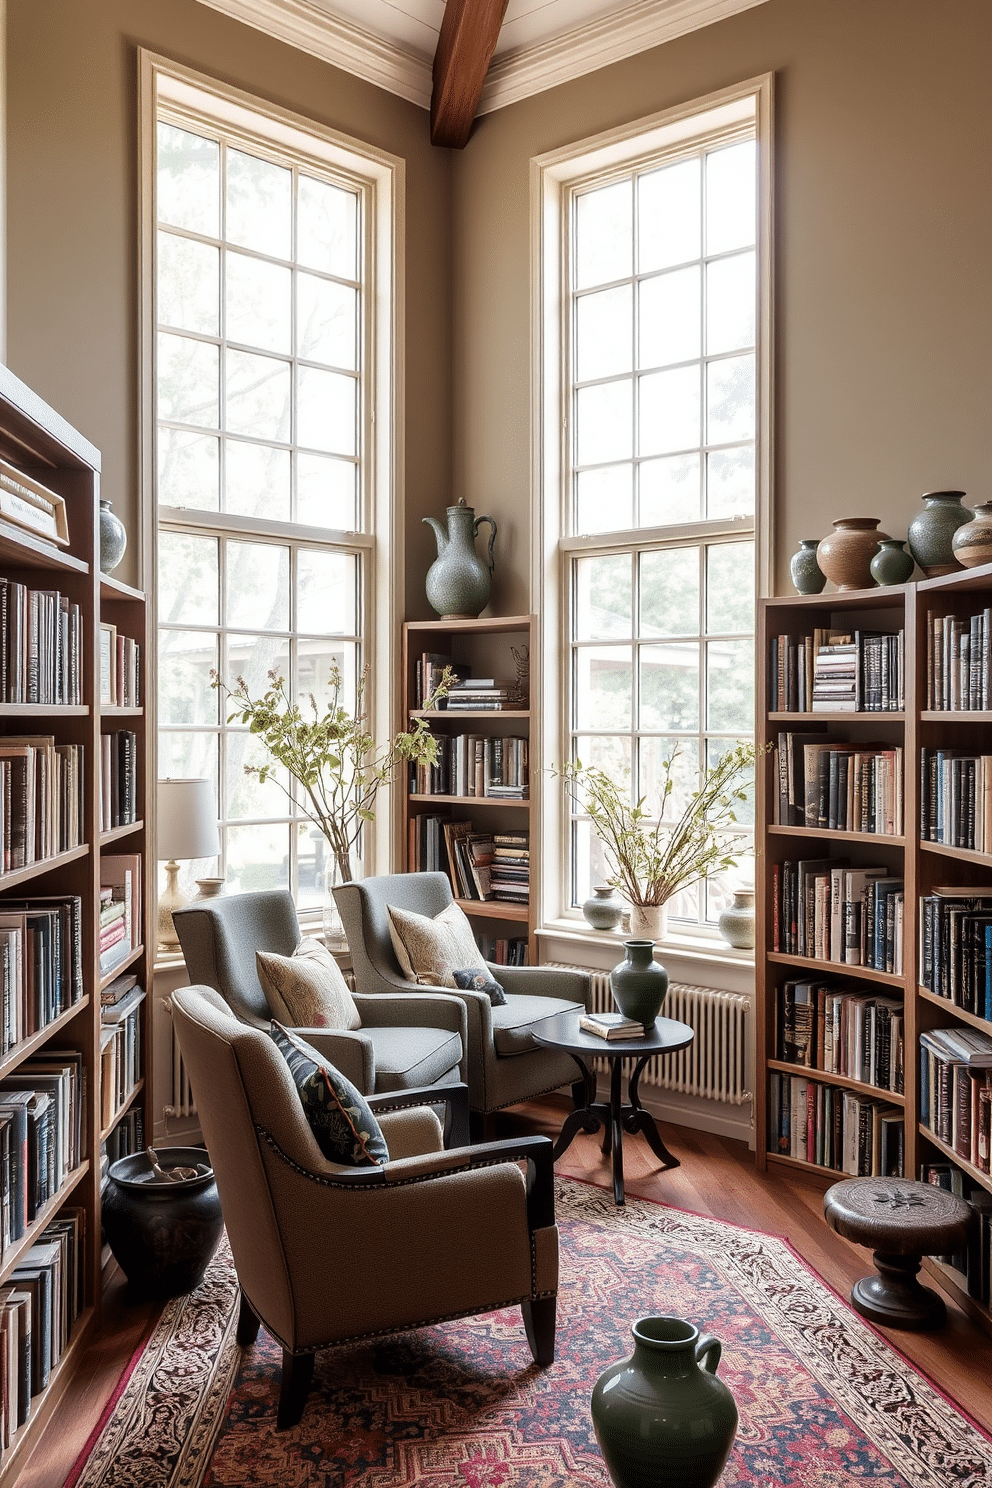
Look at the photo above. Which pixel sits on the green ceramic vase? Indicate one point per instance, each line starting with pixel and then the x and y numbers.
pixel 661 1420
pixel 639 983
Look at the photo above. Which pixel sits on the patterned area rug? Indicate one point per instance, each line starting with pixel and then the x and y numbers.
pixel 824 1401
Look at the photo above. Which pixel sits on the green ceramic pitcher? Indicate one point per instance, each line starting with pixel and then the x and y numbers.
pixel 662 1418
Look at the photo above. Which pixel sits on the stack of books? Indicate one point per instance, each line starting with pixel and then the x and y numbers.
pixel 120 908
pixel 611 1026
pixel 485 694
pixel 509 873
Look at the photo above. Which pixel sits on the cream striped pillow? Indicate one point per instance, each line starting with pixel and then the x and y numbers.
pixel 431 950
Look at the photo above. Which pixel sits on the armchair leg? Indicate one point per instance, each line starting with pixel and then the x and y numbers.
pixel 297 1375
pixel 248 1323
pixel 539 1322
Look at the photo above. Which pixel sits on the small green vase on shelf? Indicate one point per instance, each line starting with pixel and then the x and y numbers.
pixel 891 564
pixel 661 1420
pixel 639 983
pixel 931 532
pixel 807 575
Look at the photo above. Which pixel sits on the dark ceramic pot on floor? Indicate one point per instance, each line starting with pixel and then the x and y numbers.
pixel 162 1235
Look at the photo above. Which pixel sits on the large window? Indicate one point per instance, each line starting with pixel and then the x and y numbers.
pixel 660 473
pixel 264 397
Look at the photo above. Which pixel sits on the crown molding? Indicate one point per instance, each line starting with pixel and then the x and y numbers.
pixel 513 76
pixel 310 29
pixel 646 24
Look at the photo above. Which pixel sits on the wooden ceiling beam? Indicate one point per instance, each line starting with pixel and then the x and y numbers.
pixel 465 46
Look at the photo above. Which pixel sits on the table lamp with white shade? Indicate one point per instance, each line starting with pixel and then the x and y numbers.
pixel 186 829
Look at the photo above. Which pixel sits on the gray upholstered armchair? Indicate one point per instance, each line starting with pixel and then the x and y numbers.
pixel 402 1043
pixel 327 1254
pixel 505 1064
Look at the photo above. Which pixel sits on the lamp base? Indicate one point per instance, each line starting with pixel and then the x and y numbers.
pixel 171 899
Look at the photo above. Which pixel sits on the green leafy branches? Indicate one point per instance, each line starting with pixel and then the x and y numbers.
pixel 330 754
pixel 653 859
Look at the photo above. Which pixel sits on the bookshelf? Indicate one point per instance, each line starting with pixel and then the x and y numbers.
pixel 58 1019
pixel 933 723
pixel 494 746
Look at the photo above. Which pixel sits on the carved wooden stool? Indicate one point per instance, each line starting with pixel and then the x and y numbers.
pixel 902 1221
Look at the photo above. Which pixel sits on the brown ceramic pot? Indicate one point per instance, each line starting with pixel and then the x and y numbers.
pixel 972 543
pixel 845 554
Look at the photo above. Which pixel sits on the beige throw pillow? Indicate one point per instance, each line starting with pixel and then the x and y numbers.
pixel 430 951
pixel 307 989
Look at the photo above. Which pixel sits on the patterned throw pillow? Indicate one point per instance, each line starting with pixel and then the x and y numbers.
pixel 307 989
pixel 338 1114
pixel 429 949
pixel 478 980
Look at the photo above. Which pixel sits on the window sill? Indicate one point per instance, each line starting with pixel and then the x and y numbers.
pixel 685 947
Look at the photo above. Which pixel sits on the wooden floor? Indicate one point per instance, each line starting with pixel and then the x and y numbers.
pixel 717 1178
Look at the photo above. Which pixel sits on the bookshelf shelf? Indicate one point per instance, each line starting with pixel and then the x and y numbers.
pixel 138 954
pixel 922 611
pixel 117 710
pixel 66 886
pixel 483 648
pixel 20 1051
pixel 823 1077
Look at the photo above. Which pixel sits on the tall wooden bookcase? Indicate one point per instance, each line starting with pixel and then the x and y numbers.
pixel 486 646
pixel 37 442
pixel 920 864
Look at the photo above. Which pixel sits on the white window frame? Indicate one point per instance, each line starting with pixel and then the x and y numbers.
pixel 553 177
pixel 163 82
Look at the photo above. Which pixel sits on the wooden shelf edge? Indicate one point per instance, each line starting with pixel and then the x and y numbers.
pixel 945 1003
pixel 984 1180
pixel 117 832
pixel 837 968
pixel 16 1055
pixel 952 1281
pixel 474 713
pixel 467 801
pixel 845 1082
pixel 490 625
pixel 121 966
pixel 839 715
pixel 128 1103
pixel 836 834
pixel 111 588
pixel 495 909
pixel 14 1252
pixel 18 876
pixel 966 854
pixel 957 715
pixel 44 710
pixel 121 710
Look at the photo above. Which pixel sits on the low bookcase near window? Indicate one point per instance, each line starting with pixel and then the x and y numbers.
pixel 472 815
pixel 874 912
pixel 56 1113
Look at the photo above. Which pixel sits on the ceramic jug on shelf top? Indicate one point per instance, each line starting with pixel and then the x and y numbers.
pixel 458 581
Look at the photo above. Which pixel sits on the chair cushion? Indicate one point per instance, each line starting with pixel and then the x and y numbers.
pixel 428 948
pixel 339 1117
pixel 408 1057
pixel 477 979
pixel 307 989
pixel 513 1021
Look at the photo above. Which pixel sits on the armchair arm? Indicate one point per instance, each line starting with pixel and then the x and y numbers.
pixel 426 1007
pixel 350 1051
pixel 454 1098
pixel 545 981
pixel 537 1152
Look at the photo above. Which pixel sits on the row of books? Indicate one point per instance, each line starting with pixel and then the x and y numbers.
pixel 118 779
pixel 857 1034
pixel 474 765
pixel 120 1050
pixel 975 1261
pixel 430 669
pixel 38 1307
pixel 41 963
pixel 833 671
pixel 127 1137
pixel 41 799
pixel 41 1134
pixel 956 798
pixel 824 1124
pixel 505 950
pixel 956 1090
pixel 844 787
pixel 41 640
pixel 955 946
pixel 120 908
pixel 827 910
pixel 959 662
pixel 120 668
pixel 480 865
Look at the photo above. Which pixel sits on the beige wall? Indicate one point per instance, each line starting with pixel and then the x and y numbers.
pixel 883 248
pixel 73 213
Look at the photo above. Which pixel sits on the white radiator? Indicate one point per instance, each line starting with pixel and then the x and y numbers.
pixel 715 1063
pixel 182 1103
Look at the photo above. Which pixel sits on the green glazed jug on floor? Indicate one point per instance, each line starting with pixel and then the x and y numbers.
pixel 661 1420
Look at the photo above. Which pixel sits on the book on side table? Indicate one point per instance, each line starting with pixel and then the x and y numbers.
pixel 611 1025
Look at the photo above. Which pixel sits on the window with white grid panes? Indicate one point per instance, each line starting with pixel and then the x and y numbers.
pixel 662 431
pixel 261 371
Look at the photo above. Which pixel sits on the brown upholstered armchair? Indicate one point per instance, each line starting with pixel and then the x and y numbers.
pixel 328 1254
pixel 402 1043
pixel 505 1063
